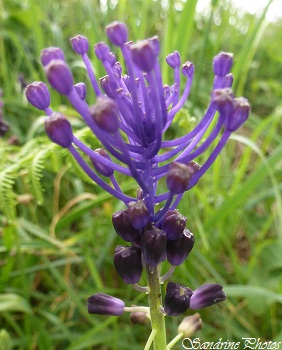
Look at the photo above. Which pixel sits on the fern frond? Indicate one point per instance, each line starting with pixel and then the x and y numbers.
pixel 7 196
pixel 35 169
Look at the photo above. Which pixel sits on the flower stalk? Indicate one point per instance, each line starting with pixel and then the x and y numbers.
pixel 155 302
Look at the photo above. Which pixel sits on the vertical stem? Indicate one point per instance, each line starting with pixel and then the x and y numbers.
pixel 155 301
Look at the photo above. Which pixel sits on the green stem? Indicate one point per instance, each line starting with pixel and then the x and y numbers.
pixel 155 301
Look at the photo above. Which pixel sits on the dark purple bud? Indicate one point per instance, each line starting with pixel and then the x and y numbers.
pixel 173 224
pixel 104 304
pixel 138 214
pixel 178 250
pixel 177 299
pixel 38 95
pixel 79 44
pixel 223 101
pixel 178 177
pixel 117 33
pixel 59 76
pixel 239 115
pixel 190 325
pixel 173 59
pixel 139 317
pixel 80 88
pixel 105 114
pixel 188 69
pixel 153 244
pixel 124 227
pixel 101 168
pixel 222 63
pixel 51 53
pixel 59 130
pixel 156 44
pixel 102 51
pixel 143 55
pixel 106 86
pixel 127 261
pixel 207 295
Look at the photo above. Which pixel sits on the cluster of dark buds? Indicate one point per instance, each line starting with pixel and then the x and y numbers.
pixel 4 127
pixel 130 117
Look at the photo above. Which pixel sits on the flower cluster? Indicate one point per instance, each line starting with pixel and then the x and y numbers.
pixel 4 127
pixel 130 117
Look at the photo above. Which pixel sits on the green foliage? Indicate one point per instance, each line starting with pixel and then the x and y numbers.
pixel 56 238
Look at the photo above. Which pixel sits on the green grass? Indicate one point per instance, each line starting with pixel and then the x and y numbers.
pixel 56 238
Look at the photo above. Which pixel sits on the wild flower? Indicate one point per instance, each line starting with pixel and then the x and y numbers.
pixel 132 112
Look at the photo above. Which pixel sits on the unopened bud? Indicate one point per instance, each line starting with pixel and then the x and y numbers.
pixel 190 325
pixel 105 114
pixel 138 214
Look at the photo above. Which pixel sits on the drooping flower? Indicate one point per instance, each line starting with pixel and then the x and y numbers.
pixel 132 113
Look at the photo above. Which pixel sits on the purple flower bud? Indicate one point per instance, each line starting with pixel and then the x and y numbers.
pixel 117 33
pixel 127 261
pixel 38 95
pixel 223 101
pixel 104 304
pixel 105 114
pixel 178 250
pixel 239 115
pixel 207 295
pixel 79 44
pixel 173 224
pixel 229 80
pixel 143 55
pixel 190 325
pixel 156 44
pixel 59 130
pixel 106 86
pixel 124 227
pixel 178 177
pixel 153 244
pixel 177 299
pixel 138 214
pixel 188 69
pixel 222 63
pixel 59 76
pixel 118 69
pixel 112 59
pixel 102 51
pixel 101 168
pixel 51 53
pixel 80 88
pixel 173 59
pixel 194 166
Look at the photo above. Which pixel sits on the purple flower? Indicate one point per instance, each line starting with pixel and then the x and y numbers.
pixel 104 304
pixel 177 299
pixel 132 112
pixel 127 261
pixel 207 295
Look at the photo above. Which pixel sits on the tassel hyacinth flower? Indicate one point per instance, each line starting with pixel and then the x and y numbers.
pixel 132 112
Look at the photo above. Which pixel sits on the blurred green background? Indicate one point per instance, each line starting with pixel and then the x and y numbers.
pixel 56 238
